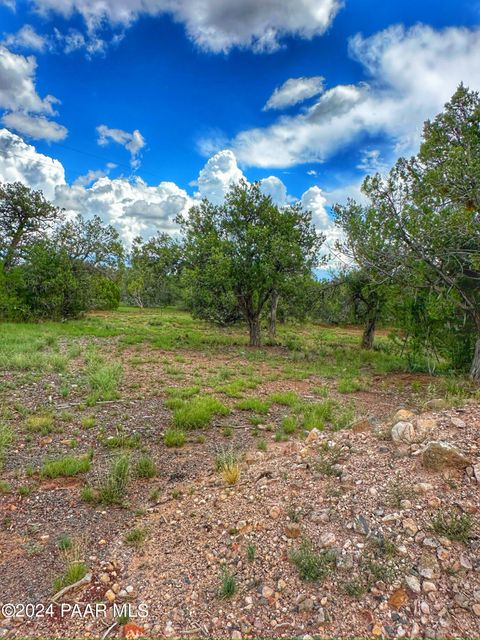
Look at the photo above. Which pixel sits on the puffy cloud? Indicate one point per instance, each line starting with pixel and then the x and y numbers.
pixel 294 91
pixel 219 172
pixel 19 95
pixel 132 206
pixel 412 73
pixel 17 84
pixel 274 187
pixel 21 162
pixel 36 127
pixel 212 25
pixel 26 38
pixel 133 142
pixel 314 200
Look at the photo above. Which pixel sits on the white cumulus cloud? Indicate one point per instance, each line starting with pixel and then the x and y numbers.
pixel 213 25
pixel 410 74
pixel 219 172
pixel 26 38
pixel 293 91
pixel 20 162
pixel 133 142
pixel 36 127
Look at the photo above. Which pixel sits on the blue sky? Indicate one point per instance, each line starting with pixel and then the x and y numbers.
pixel 191 85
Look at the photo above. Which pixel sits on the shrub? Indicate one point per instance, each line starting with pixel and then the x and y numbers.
pixel 135 537
pixel 113 489
pixel 231 473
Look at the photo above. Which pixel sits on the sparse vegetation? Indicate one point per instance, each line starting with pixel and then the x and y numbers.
pixel 145 467
pixel 312 565
pixel 452 525
pixel 228 585
pixel 174 438
pixel 198 412
pixel 66 467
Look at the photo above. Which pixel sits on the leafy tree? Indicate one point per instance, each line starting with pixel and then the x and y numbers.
pixel 426 212
pixel 153 276
pixel 255 249
pixel 25 216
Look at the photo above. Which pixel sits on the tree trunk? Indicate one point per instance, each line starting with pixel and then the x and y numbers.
pixel 272 320
pixel 369 332
pixel 254 328
pixel 475 370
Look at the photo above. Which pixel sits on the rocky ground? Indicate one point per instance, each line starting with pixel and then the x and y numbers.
pixel 386 513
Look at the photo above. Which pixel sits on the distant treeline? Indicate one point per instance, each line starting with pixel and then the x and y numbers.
pixel 410 255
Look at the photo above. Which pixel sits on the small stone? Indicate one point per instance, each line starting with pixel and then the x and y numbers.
pixel 275 512
pixel 403 414
pixel 105 578
pixel 422 487
pixel 321 615
pixel 437 404
pixel 403 432
pixel 457 422
pixel 413 583
pixel 312 436
pixel 362 426
pixel 327 539
pixel 465 562
pixel 236 635
pixel 110 596
pixel 306 605
pixel 267 592
pixel 292 530
pixel 428 587
pixel 410 526
pixel 115 587
pixel 439 455
pixel 281 585
pixel 476 609
pixel 361 525
pixel 405 504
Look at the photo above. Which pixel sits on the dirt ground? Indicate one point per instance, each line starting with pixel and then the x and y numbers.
pixel 362 505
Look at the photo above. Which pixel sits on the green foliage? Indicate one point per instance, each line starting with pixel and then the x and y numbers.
pixel 135 537
pixel 198 412
pixel 455 526
pixel 174 438
pixel 311 565
pixel 228 585
pixel 145 467
pixel 254 404
pixel 66 467
pixel 239 252
pixel 74 572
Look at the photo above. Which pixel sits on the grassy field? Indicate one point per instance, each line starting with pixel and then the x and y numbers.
pixel 115 410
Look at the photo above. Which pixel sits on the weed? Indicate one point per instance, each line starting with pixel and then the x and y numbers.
pixel 262 445
pixel 198 412
pixel 251 552
pixel 228 585
pixel 454 526
pixel 40 423
pixel 227 432
pixel 226 458
pixel 135 537
pixel 174 438
pixel 103 378
pixel 5 487
pixel 66 467
pixel 286 398
pixel 88 422
pixel 231 473
pixel 312 566
pixel 145 467
pixel 349 385
pixel 64 542
pixel 254 404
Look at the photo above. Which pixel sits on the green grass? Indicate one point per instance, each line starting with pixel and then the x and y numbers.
pixel 123 441
pixel 74 572
pixel 349 385
pixel 135 537
pixel 103 378
pixel 225 458
pixel 111 489
pixel 40 423
pixel 455 526
pixel 254 404
pixel 66 467
pixel 145 467
pixel 312 566
pixel 174 438
pixel 198 412
pixel 183 393
pixel 286 398
pixel 228 585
